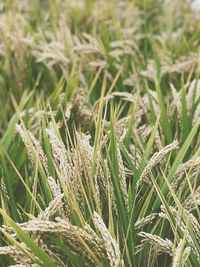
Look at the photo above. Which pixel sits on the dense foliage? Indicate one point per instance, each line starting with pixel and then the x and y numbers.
pixel 99 133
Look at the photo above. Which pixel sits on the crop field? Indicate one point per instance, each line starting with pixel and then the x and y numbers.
pixel 99 133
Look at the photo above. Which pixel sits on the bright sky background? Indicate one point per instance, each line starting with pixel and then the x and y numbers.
pixel 195 5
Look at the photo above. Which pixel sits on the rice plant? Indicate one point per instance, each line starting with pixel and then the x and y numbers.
pixel 99 133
